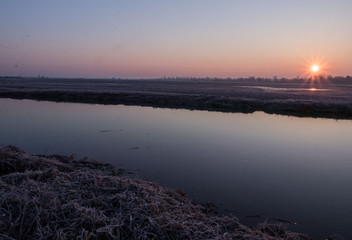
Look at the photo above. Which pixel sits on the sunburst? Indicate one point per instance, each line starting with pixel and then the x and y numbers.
pixel 315 70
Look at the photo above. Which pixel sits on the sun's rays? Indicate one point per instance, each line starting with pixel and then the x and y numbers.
pixel 315 71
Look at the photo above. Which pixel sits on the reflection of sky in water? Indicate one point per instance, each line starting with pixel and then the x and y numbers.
pixel 278 166
pixel 272 89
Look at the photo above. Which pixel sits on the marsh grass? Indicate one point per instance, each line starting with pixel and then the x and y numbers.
pixel 60 197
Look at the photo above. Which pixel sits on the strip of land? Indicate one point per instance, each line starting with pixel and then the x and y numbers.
pixel 60 197
pixel 323 99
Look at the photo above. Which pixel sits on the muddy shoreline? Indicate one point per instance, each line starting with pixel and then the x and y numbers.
pixel 293 99
pixel 60 197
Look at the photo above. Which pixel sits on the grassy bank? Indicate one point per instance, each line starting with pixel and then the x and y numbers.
pixel 60 197
pixel 286 98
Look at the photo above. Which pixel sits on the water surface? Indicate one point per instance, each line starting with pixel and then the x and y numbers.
pixel 298 169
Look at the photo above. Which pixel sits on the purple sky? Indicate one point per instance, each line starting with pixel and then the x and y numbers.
pixel 174 38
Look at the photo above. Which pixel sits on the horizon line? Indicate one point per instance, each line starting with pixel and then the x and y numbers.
pixel 274 78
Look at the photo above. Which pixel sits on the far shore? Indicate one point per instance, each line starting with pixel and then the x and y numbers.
pixel 302 98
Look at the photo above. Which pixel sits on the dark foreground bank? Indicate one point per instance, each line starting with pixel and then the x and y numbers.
pixel 303 99
pixel 59 197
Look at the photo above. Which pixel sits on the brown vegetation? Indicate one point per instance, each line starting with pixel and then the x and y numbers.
pixel 57 197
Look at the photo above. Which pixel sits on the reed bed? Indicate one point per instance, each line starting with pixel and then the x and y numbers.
pixel 60 197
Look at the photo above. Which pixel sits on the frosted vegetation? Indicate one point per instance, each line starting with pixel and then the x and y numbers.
pixel 329 97
pixel 60 197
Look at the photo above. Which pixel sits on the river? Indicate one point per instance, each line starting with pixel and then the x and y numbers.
pixel 289 168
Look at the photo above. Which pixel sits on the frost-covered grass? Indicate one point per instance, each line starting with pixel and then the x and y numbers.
pixel 289 98
pixel 60 197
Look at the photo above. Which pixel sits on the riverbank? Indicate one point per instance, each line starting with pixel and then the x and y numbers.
pixel 302 99
pixel 60 197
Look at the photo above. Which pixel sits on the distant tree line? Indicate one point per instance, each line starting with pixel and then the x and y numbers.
pixel 322 78
pixel 328 79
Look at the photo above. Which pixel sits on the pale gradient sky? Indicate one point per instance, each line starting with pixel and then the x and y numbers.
pixel 155 38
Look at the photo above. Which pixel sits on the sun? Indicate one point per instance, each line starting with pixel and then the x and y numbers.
pixel 316 71
pixel 315 68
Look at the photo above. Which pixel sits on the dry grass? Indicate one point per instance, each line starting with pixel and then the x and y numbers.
pixel 56 197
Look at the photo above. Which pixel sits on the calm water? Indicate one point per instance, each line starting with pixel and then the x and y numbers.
pixel 298 169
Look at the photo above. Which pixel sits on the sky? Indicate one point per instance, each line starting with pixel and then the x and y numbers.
pixel 189 38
